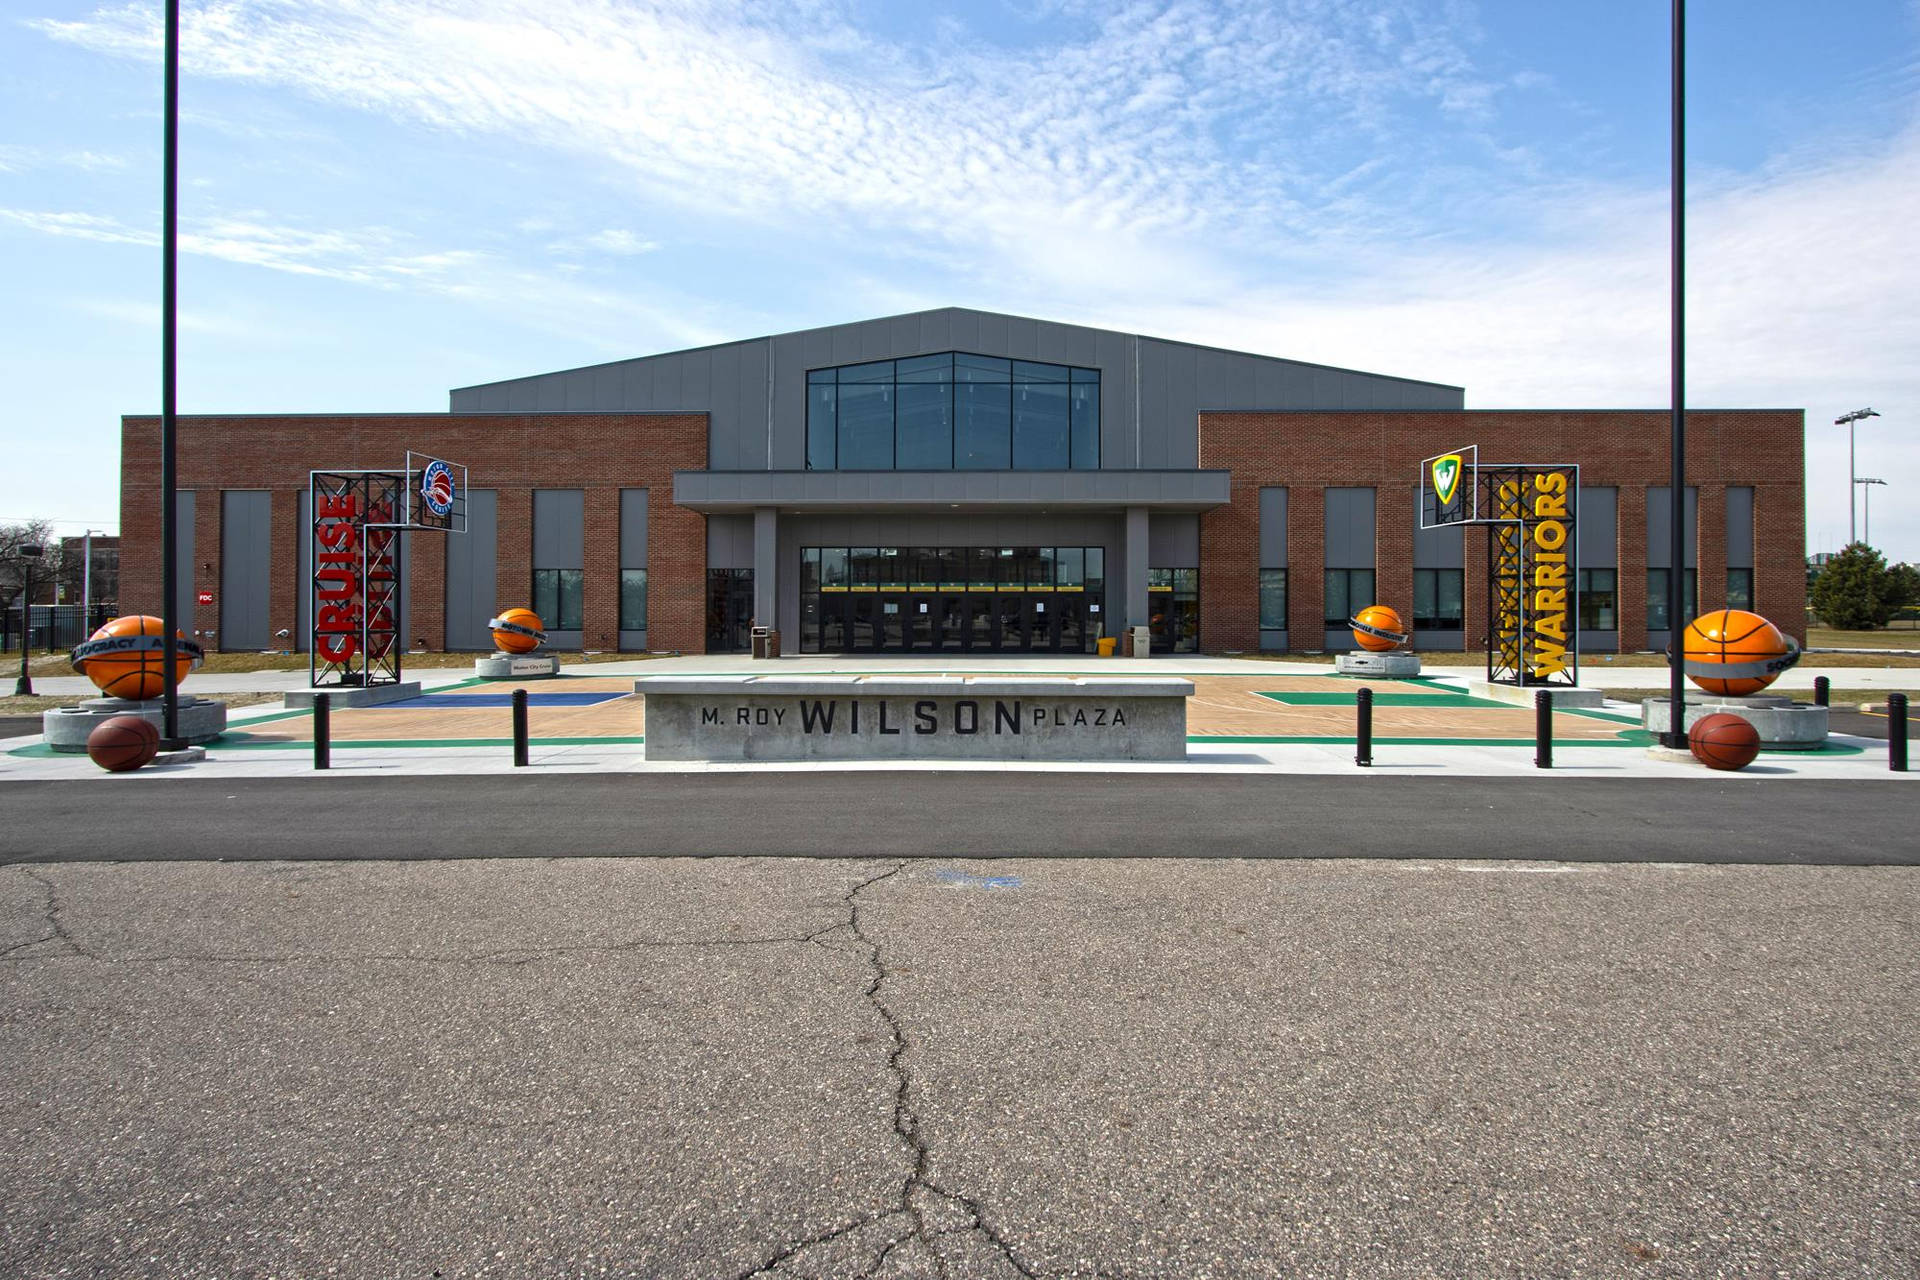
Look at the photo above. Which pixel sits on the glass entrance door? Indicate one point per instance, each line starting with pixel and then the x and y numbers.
pixel 729 610
pixel 1071 626
pixel 1010 613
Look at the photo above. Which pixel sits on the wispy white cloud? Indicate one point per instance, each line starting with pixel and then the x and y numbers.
pixel 618 241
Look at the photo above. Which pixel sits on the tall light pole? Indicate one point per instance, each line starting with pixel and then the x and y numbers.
pixel 23 687
pixel 1866 508
pixel 169 313
pixel 1676 738
pixel 1848 419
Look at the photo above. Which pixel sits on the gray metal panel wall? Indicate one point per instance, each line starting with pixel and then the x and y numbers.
pixel 1599 530
pixel 1740 527
pixel 633 528
pixel 738 383
pixel 1173 541
pixel 1659 532
pixel 559 528
pixel 471 562
pixel 1349 524
pixel 1273 528
pixel 246 541
pixel 729 542
pixel 184 591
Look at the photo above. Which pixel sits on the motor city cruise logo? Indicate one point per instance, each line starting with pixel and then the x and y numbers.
pixel 436 487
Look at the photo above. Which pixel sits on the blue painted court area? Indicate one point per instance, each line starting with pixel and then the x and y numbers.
pixel 460 701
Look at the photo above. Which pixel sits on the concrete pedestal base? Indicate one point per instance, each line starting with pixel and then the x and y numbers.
pixel 1522 695
pixel 516 666
pixel 1782 723
pixel 66 728
pixel 913 718
pixel 358 696
pixel 1389 665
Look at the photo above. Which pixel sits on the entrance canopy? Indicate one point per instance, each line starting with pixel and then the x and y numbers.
pixel 722 492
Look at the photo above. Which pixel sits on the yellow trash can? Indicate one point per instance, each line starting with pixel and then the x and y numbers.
pixel 1106 644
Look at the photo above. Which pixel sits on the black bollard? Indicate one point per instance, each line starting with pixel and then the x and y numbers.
pixel 323 731
pixel 1363 728
pixel 1821 688
pixel 1542 729
pixel 1897 732
pixel 519 728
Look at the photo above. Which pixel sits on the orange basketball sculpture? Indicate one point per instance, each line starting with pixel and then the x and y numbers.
pixel 127 658
pixel 1733 653
pixel 517 631
pixel 1378 629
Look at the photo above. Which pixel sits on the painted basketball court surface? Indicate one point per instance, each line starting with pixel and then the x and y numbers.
pixel 1245 718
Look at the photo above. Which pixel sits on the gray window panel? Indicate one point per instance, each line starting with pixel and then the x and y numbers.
pixel 1273 641
pixel 1740 527
pixel 1349 522
pixel 471 563
pixel 246 542
pixel 822 402
pixel 1438 548
pixel 1273 599
pixel 1273 528
pixel 1040 423
pixel 559 529
pixel 633 528
pixel 1084 412
pixel 1599 531
pixel 184 591
pixel 1659 537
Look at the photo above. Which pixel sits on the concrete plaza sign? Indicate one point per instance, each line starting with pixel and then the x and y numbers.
pixel 914 717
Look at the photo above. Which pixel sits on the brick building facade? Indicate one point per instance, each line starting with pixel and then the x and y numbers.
pixel 843 485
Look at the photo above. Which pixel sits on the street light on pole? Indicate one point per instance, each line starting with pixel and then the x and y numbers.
pixel 1866 508
pixel 1848 419
pixel 23 687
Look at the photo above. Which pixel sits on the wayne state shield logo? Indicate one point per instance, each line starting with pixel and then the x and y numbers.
pixel 1446 478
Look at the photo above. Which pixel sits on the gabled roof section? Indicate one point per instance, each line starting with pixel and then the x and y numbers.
pixel 919 332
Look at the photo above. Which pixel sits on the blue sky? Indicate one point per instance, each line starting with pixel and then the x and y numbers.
pixel 383 199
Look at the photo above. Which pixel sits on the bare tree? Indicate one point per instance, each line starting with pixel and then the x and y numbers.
pixel 13 565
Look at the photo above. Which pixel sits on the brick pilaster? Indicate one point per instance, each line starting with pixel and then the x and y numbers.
pixel 1393 516
pixel 1630 554
pixel 204 573
pixel 513 550
pixel 1306 566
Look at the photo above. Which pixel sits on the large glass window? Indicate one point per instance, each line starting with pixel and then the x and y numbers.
pixel 1348 591
pixel 1439 600
pixel 1739 588
pixel 1273 599
pixel 1599 596
pixel 953 410
pixel 1173 609
pixel 1657 588
pixel 557 595
pixel 633 600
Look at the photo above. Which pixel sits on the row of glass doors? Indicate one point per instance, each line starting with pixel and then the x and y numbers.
pixel 950 622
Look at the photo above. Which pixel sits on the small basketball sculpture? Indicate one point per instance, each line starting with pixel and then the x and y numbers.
pixel 1723 742
pixel 517 631
pixel 123 744
pixel 1378 629
pixel 127 658
pixel 1735 653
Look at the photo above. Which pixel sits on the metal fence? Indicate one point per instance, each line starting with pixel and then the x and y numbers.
pixel 54 626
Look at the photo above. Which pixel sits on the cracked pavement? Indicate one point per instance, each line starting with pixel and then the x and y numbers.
pixel 887 1068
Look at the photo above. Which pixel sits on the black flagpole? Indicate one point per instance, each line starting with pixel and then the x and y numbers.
pixel 169 301
pixel 1677 490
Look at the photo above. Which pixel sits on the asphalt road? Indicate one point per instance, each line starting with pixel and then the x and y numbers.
pixel 916 1068
pixel 921 814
